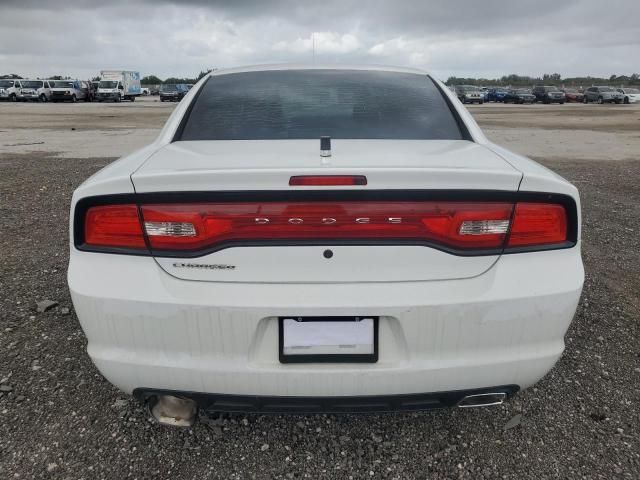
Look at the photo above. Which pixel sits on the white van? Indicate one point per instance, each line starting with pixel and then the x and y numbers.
pixel 38 90
pixel 70 91
pixel 10 89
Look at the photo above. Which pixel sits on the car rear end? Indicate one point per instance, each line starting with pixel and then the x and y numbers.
pixel 170 93
pixel 247 264
pixel 553 95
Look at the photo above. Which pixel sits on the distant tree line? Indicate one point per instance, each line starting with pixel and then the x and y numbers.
pixel 148 80
pixel 13 76
pixel 547 79
pixel 154 80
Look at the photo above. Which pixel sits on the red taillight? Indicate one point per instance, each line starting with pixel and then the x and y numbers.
pixel 454 224
pixel 538 224
pixel 327 180
pixel 458 226
pixel 113 226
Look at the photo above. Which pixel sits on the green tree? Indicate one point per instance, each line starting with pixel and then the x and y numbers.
pixel 150 80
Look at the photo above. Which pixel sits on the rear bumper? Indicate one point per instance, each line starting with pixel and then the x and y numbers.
pixel 149 330
pixel 301 405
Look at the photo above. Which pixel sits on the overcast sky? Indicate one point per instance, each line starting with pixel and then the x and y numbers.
pixel 450 37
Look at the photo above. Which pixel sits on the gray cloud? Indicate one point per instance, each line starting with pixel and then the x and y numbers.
pixel 488 38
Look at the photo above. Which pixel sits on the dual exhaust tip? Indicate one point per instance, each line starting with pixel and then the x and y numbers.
pixel 482 400
pixel 173 411
pixel 181 412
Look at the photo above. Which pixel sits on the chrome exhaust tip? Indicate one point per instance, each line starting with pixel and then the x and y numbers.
pixel 482 400
pixel 174 411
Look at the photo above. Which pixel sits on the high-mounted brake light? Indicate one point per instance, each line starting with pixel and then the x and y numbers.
pixel 327 180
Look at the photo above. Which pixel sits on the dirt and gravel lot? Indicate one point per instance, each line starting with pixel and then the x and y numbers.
pixel 60 419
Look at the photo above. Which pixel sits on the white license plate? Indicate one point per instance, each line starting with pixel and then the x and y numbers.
pixel 328 339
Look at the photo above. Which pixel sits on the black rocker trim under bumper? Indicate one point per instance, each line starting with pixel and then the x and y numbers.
pixel 216 403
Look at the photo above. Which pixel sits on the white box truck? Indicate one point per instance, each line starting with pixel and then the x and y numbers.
pixel 118 85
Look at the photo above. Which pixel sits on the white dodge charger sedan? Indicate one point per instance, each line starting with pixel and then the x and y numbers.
pixel 323 239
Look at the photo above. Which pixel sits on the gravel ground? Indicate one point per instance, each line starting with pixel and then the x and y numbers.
pixel 60 419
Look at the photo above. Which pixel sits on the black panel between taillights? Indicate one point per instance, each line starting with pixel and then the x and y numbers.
pixel 322 195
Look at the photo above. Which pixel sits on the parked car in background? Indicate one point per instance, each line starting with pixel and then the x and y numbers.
pixel 485 93
pixel 118 85
pixel 519 95
pixel 631 95
pixel 469 94
pixel 35 90
pixel 173 92
pixel 602 95
pixel 549 94
pixel 228 267
pixel 573 95
pixel 497 94
pixel 71 91
pixel 10 90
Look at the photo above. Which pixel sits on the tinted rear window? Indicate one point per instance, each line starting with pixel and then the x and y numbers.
pixel 306 104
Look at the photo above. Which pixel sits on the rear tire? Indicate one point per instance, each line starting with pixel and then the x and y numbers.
pixel 626 100
pixel 13 98
pixel 600 100
pixel 42 98
pixel 133 99
pixel 74 99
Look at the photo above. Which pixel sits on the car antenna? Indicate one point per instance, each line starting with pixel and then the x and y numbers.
pixel 325 146
pixel 325 149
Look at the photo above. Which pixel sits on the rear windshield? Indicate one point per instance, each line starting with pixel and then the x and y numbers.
pixel 307 104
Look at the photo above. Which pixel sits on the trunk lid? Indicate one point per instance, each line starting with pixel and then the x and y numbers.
pixel 255 165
